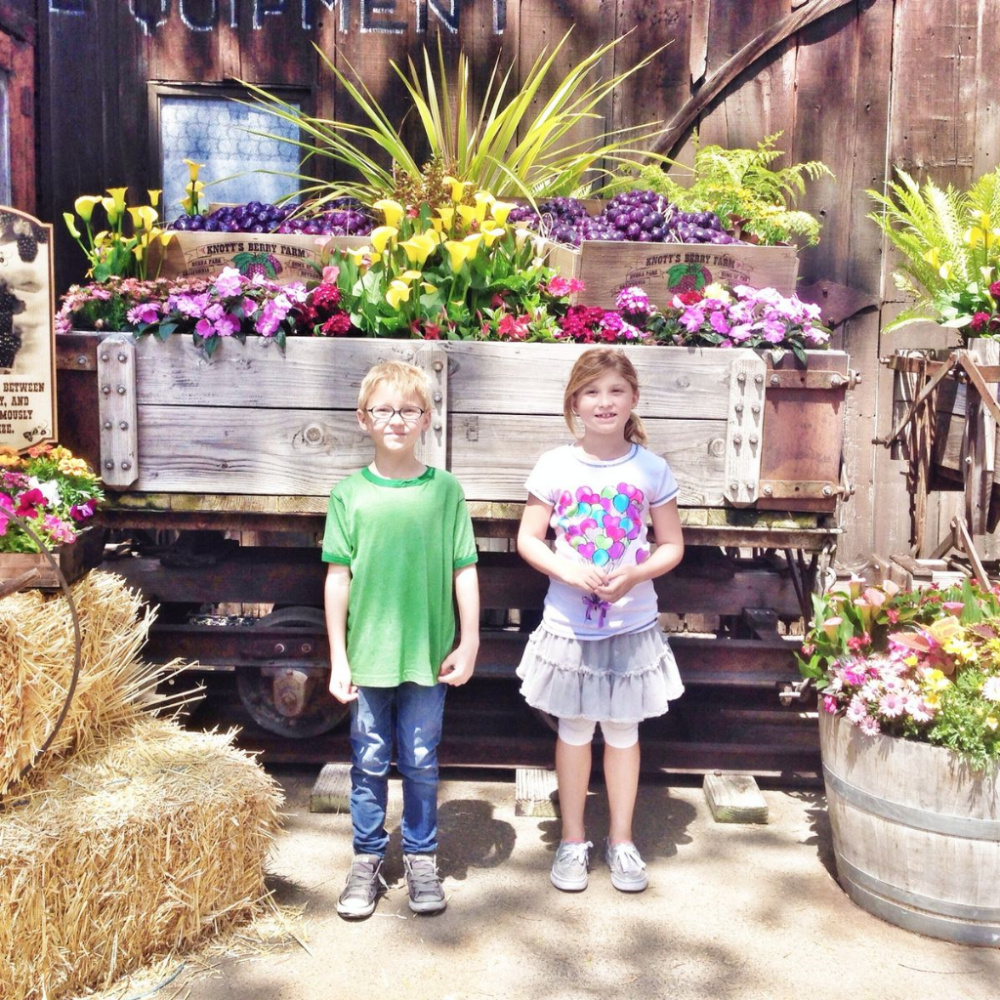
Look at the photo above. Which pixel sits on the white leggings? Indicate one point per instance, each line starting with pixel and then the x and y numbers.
pixel 580 732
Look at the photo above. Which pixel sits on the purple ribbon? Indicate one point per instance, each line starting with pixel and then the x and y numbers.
pixel 594 603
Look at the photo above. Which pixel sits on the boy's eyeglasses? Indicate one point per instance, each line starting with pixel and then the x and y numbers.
pixel 383 414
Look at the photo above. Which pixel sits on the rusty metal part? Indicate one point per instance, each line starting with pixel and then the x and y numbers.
pixel 286 695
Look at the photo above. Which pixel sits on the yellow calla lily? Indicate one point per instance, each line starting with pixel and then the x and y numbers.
pixel 392 210
pixel 458 253
pixel 154 195
pixel 457 188
pixel 428 287
pixel 381 235
pixel 491 235
pixel 111 209
pixel 359 254
pixel 398 291
pixel 472 241
pixel 193 169
pixel 446 215
pixel 85 205
pixel 483 198
pixel 143 217
pixel 410 275
pixel 500 210
pixel 71 225
pixel 933 257
pixel 417 248
pixel 472 215
pixel 118 194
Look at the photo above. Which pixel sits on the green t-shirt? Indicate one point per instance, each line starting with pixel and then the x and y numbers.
pixel 403 540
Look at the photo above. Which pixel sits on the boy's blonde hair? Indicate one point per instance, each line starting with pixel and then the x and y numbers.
pixel 592 365
pixel 405 379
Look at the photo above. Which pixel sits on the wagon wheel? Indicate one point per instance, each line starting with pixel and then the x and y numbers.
pixel 290 699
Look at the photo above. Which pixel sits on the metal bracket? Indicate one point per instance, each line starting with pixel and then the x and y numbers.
pixel 785 489
pixel 810 378
pixel 744 435
pixel 434 444
pixel 118 411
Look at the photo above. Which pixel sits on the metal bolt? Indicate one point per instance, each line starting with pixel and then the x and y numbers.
pixel 828 491
pixel 107 425
pixel 307 648
pixel 775 380
pixel 751 486
pixel 438 397
pixel 105 355
pixel 109 465
pixel 741 377
pixel 438 365
pixel 106 389
pixel 753 438
pixel 767 491
pixel 279 648
pixel 836 381
pixel 734 486
pixel 123 357
pixel 126 465
pixel 755 409
pixel 121 390
pixel 123 425
pixel 437 425
pixel 758 379
pixel 81 359
pixel 738 407
pixel 737 439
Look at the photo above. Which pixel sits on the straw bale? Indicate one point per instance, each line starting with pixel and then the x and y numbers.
pixel 37 645
pixel 140 846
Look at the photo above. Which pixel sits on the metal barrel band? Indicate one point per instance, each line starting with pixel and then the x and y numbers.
pixel 967 827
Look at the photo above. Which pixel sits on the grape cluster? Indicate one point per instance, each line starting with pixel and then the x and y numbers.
pixel 343 217
pixel 640 216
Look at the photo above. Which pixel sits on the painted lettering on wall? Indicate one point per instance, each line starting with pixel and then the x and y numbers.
pixel 384 17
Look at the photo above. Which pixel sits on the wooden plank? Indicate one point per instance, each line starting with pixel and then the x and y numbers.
pixel 734 798
pixel 536 792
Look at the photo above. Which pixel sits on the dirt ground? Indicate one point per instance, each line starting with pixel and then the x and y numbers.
pixel 750 912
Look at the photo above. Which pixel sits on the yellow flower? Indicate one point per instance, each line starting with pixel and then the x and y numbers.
pixel 483 198
pixel 472 215
pixel 392 210
pixel 398 291
pixel 458 253
pixel 490 236
pixel 717 292
pixel 154 195
pixel 457 188
pixel 118 194
pixel 193 169
pixel 111 209
pixel 71 225
pixel 85 205
pixel 143 217
pixel 473 240
pixel 446 215
pixel 381 236
pixel 428 287
pixel 500 211
pixel 411 275
pixel 359 254
pixel 418 248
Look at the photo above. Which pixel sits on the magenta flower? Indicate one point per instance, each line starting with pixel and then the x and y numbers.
pixel 81 511
pixel 144 312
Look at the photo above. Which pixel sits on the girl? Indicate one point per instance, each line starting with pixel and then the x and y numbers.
pixel 598 655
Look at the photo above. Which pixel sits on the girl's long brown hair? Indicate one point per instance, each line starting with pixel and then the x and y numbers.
pixel 592 365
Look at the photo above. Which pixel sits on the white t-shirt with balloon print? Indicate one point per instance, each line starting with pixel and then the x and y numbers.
pixel 599 515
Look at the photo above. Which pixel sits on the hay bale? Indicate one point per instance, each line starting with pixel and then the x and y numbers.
pixel 37 645
pixel 146 844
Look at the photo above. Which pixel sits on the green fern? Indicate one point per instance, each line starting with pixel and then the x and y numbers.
pixel 741 186
pixel 948 242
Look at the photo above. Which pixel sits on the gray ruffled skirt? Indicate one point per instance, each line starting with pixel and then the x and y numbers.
pixel 622 678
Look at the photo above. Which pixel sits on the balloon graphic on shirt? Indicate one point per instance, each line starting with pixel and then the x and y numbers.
pixel 601 526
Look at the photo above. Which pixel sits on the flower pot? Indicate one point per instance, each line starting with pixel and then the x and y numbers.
pixel 916 833
pixel 65 559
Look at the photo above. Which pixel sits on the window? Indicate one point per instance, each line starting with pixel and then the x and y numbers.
pixel 208 125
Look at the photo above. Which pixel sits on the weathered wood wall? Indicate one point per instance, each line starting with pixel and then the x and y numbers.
pixel 862 85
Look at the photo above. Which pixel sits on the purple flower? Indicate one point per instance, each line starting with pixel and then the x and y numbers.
pixel 718 322
pixel 144 312
pixel 229 283
pixel 633 301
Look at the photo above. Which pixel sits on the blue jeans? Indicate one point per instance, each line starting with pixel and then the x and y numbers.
pixel 419 713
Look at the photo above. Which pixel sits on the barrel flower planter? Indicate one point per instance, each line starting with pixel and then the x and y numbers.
pixel 916 833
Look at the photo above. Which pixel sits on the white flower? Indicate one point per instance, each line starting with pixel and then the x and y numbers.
pixel 49 489
pixel 991 689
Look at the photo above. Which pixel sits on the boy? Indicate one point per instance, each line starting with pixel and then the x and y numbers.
pixel 399 545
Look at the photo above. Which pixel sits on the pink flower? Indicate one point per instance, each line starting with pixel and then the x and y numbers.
pixel 81 511
pixel 979 321
pixel 830 704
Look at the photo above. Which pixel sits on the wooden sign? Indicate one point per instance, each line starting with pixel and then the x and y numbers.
pixel 27 342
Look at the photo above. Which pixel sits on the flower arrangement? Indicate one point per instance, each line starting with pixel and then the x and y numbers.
pixel 921 665
pixel 114 252
pixel 949 242
pixel 48 486
pixel 717 316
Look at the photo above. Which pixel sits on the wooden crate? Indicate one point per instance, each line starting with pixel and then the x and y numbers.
pixel 739 430
pixel 68 558
pixel 288 257
pixel 662 269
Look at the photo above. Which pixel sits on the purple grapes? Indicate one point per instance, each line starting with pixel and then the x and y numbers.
pixel 342 217
pixel 637 216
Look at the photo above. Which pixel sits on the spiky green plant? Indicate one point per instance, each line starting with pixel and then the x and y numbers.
pixel 949 245
pixel 510 149
pixel 741 187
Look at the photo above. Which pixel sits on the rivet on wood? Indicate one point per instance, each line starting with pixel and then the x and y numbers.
pixel 106 389
pixel 741 377
pixel 767 491
pixel 734 486
pixel 105 356
pixel 753 439
pixel 828 491
pixel 755 409
pixel 123 425
pixel 107 425
pixel 775 380
pixel 109 465
pixel 438 397
pixel 738 407
pixel 126 465
pixel 438 366
pixel 81 359
pixel 750 487
pixel 437 425
pixel 737 439
pixel 123 357
pixel 121 390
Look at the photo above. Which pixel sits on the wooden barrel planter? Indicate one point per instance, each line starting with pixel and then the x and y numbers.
pixel 916 833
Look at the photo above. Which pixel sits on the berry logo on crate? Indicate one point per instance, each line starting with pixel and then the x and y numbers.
pixel 27 353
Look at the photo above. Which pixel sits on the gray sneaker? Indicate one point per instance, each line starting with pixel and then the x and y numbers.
pixel 364 883
pixel 628 870
pixel 423 883
pixel 569 869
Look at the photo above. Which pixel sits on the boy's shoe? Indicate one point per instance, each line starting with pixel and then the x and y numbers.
pixel 569 869
pixel 423 883
pixel 628 870
pixel 364 883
